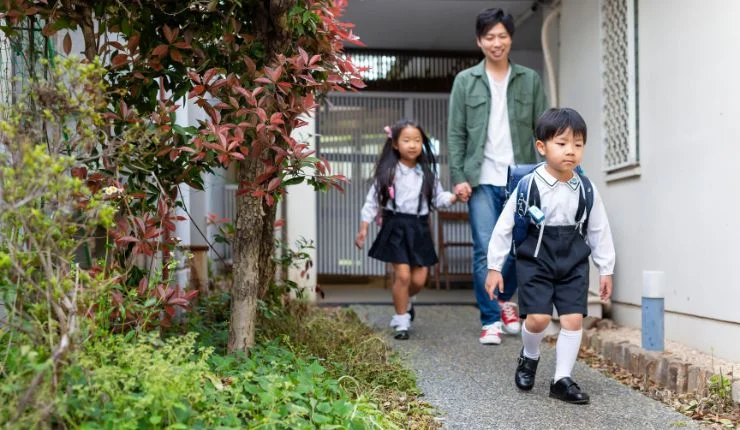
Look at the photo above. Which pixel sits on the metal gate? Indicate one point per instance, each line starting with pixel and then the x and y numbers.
pixel 350 137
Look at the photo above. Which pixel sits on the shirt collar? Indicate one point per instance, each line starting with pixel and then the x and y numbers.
pixel 405 170
pixel 551 181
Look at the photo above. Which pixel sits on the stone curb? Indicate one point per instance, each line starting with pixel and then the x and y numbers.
pixel 664 369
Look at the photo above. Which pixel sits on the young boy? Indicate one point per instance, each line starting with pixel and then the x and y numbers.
pixel 552 261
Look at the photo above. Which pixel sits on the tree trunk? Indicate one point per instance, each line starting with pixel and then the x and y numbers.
pixel 253 265
pixel 254 234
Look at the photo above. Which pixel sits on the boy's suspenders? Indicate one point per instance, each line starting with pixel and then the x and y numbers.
pixel 528 195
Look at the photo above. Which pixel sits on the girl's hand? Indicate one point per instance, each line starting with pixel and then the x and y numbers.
pixel 494 281
pixel 360 239
pixel 605 287
pixel 453 199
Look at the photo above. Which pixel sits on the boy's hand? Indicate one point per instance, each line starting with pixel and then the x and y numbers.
pixel 605 287
pixel 453 199
pixel 360 239
pixel 494 281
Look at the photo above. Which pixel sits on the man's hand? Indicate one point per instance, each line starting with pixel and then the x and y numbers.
pixel 605 287
pixel 494 281
pixel 463 191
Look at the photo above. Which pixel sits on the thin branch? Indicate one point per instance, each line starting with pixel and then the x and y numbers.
pixel 185 208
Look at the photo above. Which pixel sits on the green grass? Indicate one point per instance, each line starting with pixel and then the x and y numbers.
pixel 355 354
pixel 311 368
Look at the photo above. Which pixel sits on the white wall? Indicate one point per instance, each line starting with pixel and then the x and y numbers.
pixel 678 215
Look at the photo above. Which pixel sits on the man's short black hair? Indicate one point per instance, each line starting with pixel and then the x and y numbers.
pixel 556 121
pixel 489 18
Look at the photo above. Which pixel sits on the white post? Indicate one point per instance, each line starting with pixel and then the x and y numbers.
pixel 300 217
pixel 653 310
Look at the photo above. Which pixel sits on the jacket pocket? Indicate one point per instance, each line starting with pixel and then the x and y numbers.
pixel 523 108
pixel 476 112
pixel 475 109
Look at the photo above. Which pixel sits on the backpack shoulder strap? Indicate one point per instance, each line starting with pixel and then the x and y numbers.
pixel 534 192
pixel 524 197
pixel 585 202
pixel 527 195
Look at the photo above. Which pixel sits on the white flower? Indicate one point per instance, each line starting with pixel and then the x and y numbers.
pixel 109 191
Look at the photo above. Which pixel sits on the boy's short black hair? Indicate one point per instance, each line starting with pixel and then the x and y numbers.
pixel 556 121
pixel 489 18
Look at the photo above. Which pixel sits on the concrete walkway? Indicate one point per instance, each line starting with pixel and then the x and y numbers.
pixel 473 385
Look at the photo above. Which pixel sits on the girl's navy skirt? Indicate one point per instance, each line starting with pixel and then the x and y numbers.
pixel 404 239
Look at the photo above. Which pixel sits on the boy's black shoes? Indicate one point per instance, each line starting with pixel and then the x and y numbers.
pixel 401 334
pixel 525 371
pixel 411 311
pixel 568 391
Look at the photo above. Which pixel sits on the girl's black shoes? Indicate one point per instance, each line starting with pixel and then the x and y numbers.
pixel 401 335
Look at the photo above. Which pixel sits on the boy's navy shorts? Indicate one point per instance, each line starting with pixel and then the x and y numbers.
pixel 559 274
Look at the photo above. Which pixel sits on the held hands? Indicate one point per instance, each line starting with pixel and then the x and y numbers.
pixel 494 281
pixel 463 191
pixel 605 287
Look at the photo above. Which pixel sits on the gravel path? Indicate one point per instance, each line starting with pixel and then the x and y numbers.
pixel 473 385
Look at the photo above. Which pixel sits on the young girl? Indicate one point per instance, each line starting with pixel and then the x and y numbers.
pixel 406 187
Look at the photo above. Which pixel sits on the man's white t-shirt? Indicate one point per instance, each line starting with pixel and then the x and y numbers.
pixel 499 152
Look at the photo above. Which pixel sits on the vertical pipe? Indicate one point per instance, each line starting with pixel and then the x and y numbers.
pixel 653 308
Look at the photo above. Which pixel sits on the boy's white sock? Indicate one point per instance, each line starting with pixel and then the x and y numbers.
pixel 569 342
pixel 531 342
pixel 401 322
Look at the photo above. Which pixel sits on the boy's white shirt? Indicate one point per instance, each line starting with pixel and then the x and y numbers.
pixel 407 184
pixel 559 201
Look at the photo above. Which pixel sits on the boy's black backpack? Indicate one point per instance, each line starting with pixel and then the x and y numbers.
pixel 521 182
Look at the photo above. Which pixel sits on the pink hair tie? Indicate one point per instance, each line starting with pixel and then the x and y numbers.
pixel 388 132
pixel 392 192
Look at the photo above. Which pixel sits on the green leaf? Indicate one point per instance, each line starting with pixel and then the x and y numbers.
pixel 293 181
pixel 320 418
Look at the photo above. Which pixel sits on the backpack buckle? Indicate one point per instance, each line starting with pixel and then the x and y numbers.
pixel 536 215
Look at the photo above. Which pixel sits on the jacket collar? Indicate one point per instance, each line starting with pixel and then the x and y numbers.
pixel 480 69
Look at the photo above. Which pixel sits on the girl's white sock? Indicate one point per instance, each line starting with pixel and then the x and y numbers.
pixel 401 322
pixel 569 342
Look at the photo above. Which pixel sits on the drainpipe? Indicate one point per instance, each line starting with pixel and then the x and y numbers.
pixel 524 16
pixel 549 67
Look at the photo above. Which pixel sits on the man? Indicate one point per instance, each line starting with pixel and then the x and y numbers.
pixel 493 109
